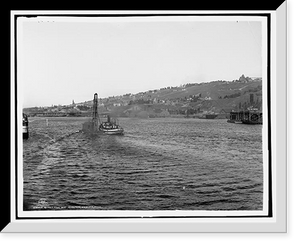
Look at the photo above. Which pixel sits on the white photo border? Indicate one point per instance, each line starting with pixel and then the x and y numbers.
pixel 18 215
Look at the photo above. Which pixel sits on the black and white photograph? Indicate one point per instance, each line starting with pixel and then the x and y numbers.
pixel 146 114
pixel 147 121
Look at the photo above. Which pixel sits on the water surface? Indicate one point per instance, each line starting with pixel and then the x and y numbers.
pixel 159 164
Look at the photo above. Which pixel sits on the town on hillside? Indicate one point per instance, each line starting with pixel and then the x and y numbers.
pixel 197 100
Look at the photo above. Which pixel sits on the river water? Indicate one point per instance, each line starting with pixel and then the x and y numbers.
pixel 159 164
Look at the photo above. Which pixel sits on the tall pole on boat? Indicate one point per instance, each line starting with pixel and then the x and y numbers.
pixel 95 112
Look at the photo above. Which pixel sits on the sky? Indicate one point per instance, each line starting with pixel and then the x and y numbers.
pixel 63 60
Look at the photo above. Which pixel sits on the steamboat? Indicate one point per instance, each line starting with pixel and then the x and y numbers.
pixel 252 117
pixel 25 127
pixel 109 126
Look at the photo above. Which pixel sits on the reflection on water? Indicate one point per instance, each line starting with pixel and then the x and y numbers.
pixel 159 164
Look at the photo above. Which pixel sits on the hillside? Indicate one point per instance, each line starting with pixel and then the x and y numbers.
pixel 192 98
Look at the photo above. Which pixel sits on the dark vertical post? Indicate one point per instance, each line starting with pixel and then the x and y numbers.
pixel 95 112
pixel 251 99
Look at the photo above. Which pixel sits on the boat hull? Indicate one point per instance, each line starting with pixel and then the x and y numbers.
pixel 235 121
pixel 112 131
pixel 251 122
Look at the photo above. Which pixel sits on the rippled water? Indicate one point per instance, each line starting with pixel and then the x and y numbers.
pixel 159 164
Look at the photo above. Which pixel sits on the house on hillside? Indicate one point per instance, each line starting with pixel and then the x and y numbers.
pixel 133 111
pixel 136 108
pixel 224 114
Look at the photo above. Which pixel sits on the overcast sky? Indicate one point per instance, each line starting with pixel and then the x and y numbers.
pixel 65 60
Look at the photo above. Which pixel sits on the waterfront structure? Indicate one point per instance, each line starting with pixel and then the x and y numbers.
pixel 247 117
